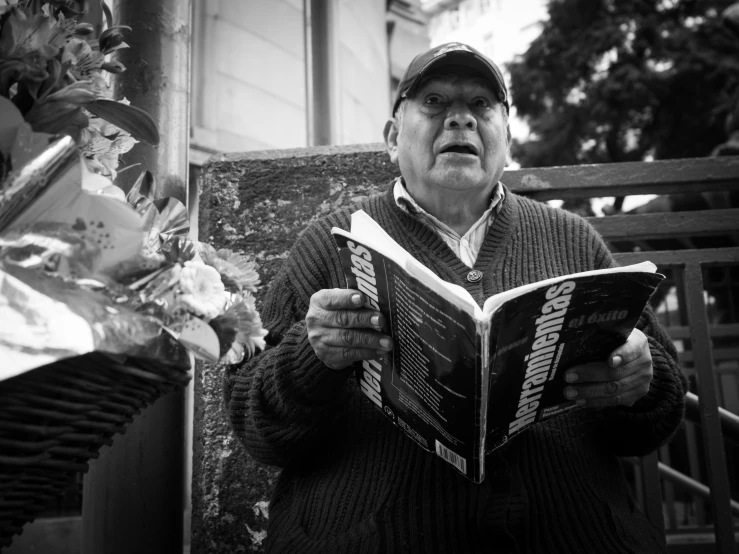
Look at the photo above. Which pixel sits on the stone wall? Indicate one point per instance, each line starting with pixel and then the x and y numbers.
pixel 258 203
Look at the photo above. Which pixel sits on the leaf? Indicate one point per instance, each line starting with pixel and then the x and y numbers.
pixel 57 118
pixel 12 119
pixel 107 12
pixel 199 338
pixel 129 118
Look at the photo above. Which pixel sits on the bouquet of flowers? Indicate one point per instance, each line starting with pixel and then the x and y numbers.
pixel 83 266
pixel 56 74
pixel 83 272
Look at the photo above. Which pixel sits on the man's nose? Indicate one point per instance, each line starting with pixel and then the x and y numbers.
pixel 460 117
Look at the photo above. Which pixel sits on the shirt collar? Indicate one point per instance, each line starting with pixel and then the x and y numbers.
pixel 407 203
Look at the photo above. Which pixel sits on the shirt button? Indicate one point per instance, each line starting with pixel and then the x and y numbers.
pixel 474 276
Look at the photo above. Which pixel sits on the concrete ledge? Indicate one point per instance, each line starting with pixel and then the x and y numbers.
pixel 258 203
pixel 372 147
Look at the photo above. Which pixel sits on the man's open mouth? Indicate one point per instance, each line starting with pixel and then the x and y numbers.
pixel 459 149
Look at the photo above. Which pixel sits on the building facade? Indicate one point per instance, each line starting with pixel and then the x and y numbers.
pixel 272 74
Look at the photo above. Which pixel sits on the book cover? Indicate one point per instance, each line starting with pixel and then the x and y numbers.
pixel 430 384
pixel 461 381
pixel 537 336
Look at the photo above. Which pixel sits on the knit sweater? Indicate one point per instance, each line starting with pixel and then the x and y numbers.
pixel 352 482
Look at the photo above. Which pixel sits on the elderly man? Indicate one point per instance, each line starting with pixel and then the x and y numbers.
pixel 351 481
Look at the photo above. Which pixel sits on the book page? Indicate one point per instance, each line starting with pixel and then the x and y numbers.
pixel 429 385
pixel 494 302
pixel 368 231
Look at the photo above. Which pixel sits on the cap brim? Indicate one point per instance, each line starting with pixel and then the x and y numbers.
pixel 456 59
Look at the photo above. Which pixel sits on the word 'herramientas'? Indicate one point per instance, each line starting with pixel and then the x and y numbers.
pixel 543 351
pixel 364 271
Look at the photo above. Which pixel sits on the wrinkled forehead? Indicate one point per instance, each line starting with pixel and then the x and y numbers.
pixel 458 76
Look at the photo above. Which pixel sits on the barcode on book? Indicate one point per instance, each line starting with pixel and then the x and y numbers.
pixel 457 461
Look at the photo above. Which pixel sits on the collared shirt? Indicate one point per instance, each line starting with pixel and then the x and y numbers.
pixel 466 247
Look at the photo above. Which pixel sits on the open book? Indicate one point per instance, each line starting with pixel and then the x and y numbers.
pixel 461 381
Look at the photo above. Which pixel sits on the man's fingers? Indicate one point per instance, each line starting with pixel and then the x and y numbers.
pixel 632 350
pixel 344 319
pixel 338 348
pixel 339 308
pixel 597 372
pixel 341 331
pixel 348 337
pixel 337 299
pixel 620 392
pixel 355 338
pixel 340 358
pixel 620 381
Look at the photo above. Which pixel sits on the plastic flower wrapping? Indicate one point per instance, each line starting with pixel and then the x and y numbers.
pixel 84 268
pixel 56 73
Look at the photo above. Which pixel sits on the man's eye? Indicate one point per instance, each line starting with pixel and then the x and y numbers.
pixel 481 102
pixel 433 99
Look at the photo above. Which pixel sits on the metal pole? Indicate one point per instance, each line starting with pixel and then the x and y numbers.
pixel 321 70
pixel 157 80
pixel 134 493
pixel 713 440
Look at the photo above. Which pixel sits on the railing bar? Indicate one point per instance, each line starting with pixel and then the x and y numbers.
pixel 707 256
pixel 691 438
pixel 691 485
pixel 718 477
pixel 616 189
pixel 683 481
pixel 649 475
pixel 667 224
pixel 719 355
pixel 658 177
pixel 639 491
pixel 729 420
pixel 669 488
pixel 692 414
pixel 682 309
pixel 691 430
pixel 715 331
pixel 729 381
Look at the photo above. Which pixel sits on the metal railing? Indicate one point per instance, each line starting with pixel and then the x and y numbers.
pixel 730 429
pixel 632 239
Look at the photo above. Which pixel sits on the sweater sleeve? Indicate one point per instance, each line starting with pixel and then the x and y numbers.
pixel 654 418
pixel 284 402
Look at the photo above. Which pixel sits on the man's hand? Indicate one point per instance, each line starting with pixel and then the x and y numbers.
pixel 620 381
pixel 341 331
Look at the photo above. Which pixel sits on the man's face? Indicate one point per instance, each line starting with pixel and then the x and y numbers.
pixel 453 135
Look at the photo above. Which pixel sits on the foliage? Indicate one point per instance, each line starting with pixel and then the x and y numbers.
pixel 124 266
pixel 54 71
pixel 626 80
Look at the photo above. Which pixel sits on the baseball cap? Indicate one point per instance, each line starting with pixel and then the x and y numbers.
pixel 451 53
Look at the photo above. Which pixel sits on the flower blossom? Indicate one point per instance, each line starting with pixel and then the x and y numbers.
pixel 202 291
pixel 242 316
pixel 102 144
pixel 235 269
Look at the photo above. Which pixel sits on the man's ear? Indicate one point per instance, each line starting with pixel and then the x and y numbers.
pixel 390 133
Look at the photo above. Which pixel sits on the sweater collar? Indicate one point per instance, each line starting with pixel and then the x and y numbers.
pixel 415 235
